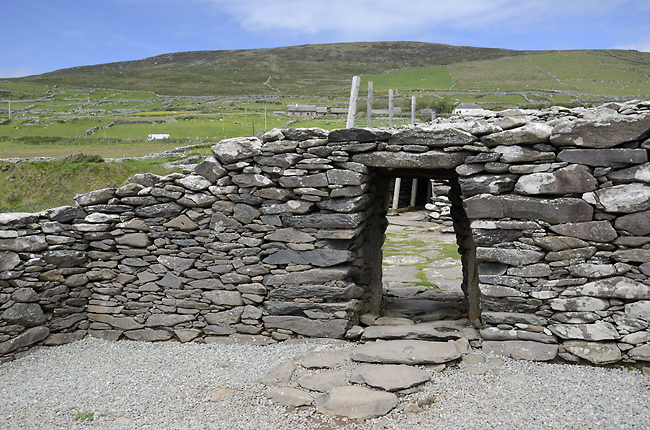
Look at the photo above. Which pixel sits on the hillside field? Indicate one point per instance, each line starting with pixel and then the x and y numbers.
pixel 199 98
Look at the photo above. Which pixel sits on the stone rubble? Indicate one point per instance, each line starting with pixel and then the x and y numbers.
pixel 280 237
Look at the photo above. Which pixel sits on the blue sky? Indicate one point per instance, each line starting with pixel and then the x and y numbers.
pixel 46 35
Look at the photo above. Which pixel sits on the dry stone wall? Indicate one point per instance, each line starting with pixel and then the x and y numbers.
pixel 280 236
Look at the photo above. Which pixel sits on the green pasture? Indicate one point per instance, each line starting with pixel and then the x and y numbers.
pixel 510 73
pixel 480 98
pixel 24 88
pixel 107 148
pixel 34 186
pixel 132 95
pixel 594 74
pixel 424 78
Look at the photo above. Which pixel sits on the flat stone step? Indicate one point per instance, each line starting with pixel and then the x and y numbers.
pixel 435 330
pixel 389 377
pixel 423 310
pixel 424 293
pixel 406 352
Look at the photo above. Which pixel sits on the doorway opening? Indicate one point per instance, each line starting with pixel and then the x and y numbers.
pixel 428 263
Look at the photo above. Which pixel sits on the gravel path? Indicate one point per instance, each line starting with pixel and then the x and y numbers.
pixel 168 385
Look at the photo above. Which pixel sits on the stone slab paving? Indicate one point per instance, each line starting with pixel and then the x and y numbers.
pixel 406 352
pixel 341 383
pixel 323 381
pixel 357 402
pixel 389 377
pixel 437 330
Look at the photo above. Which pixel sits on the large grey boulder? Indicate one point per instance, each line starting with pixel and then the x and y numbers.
pixel 554 211
pixel 528 134
pixel 316 257
pixel 24 314
pixel 122 323
pixel 434 159
pixel 334 328
pixel 230 151
pixel 31 243
pixel 194 182
pixel 639 310
pixel 596 352
pixel 632 174
pixel 512 257
pixel 167 320
pixel 598 231
pixel 621 198
pixel 614 157
pixel 617 287
pixel 135 240
pixel 432 137
pixel 210 169
pixel 522 154
pixel 95 197
pixel 26 338
pixel 8 261
pixel 163 210
pixel 486 184
pixel 606 133
pixel 311 277
pixel 591 332
pixel 361 135
pixel 521 349
pixel 149 335
pixel 569 180
pixel 637 223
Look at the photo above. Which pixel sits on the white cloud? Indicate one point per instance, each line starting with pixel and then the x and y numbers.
pixel 639 45
pixel 393 20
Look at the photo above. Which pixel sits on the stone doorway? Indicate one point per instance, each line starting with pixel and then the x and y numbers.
pixel 428 269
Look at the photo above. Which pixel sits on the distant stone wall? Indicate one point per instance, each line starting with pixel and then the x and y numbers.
pixel 281 237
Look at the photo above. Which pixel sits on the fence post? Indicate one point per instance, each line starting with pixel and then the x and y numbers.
pixel 390 108
pixel 369 106
pixel 414 192
pixel 354 95
pixel 398 185
pixel 413 110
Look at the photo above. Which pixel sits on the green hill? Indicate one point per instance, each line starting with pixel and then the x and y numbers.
pixel 466 73
pixel 296 70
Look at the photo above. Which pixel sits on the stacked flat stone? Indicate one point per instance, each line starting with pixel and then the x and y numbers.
pixel 280 237
pixel 439 207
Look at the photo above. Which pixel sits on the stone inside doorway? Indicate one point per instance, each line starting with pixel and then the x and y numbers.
pixel 422 270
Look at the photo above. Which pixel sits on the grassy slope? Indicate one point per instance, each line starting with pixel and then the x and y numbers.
pixel 307 69
pixel 61 181
pixel 320 73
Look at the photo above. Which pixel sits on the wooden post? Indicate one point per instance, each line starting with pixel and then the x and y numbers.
pixel 390 108
pixel 398 185
pixel 413 110
pixel 354 95
pixel 369 106
pixel 414 191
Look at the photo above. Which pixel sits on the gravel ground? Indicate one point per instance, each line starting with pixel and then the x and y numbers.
pixel 168 385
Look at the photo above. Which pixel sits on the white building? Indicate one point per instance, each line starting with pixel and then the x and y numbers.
pixel 296 109
pixel 468 109
pixel 158 136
